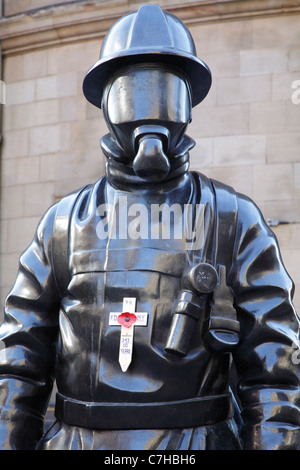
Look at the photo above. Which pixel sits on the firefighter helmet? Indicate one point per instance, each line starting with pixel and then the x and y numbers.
pixel 148 35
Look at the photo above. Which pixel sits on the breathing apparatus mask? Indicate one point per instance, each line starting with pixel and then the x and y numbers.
pixel 147 108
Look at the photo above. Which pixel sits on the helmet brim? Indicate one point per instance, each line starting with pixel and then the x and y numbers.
pixel 197 71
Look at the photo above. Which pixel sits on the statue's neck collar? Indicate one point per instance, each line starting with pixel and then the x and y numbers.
pixel 119 171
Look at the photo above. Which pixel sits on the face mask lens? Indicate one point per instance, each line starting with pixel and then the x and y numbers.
pixel 147 95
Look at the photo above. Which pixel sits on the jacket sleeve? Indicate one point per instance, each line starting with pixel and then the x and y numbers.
pixel 266 358
pixel 28 338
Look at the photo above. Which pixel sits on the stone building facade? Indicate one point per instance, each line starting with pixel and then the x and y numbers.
pixel 247 130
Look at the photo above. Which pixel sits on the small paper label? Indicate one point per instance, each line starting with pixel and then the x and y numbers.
pixel 128 319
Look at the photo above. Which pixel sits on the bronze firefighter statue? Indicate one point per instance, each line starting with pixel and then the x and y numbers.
pixel 143 294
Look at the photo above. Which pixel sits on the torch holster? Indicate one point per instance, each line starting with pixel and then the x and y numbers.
pixel 187 310
pixel 222 333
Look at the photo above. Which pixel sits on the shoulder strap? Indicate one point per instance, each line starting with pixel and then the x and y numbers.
pixel 60 239
pixel 223 332
pixel 218 220
pixel 225 223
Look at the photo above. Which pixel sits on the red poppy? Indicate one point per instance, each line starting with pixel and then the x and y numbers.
pixel 126 319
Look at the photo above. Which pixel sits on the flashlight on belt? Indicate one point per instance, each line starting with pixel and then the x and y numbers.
pixel 188 308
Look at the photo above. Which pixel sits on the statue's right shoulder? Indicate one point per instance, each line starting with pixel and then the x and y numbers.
pixel 80 198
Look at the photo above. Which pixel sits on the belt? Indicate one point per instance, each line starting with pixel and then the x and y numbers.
pixel 161 415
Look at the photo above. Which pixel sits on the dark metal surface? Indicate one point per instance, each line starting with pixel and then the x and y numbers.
pixel 217 294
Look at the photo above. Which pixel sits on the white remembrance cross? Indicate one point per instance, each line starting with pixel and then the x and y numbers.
pixel 128 320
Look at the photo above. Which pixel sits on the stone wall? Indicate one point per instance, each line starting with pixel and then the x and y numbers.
pixel 247 130
pixel 13 7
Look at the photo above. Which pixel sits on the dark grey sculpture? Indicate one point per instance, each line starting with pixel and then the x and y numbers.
pixel 139 292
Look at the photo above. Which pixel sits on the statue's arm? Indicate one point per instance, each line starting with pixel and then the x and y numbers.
pixel 268 374
pixel 28 343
